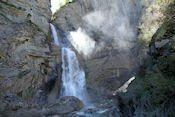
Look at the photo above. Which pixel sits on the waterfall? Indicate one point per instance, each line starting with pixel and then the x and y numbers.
pixel 73 76
pixel 54 33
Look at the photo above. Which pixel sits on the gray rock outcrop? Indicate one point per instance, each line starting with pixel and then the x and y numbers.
pixel 30 63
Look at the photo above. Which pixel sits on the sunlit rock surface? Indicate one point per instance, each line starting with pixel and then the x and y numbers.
pixel 57 4
pixel 38 12
pixel 151 19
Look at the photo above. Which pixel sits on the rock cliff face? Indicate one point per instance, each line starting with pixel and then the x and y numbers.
pixel 29 61
pixel 151 19
pixel 30 64
pixel 108 68
pixel 152 92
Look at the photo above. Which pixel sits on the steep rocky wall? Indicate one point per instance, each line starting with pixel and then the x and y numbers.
pixel 108 68
pixel 151 19
pixel 29 61
pixel 23 10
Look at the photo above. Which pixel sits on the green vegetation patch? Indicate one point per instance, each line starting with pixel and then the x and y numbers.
pixel 23 73
pixel 36 26
pixel 153 90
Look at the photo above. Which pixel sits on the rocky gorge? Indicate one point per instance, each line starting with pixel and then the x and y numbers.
pixel 119 41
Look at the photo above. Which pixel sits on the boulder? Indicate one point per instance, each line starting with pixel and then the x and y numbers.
pixel 64 105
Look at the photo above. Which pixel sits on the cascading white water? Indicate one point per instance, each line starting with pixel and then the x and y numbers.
pixel 54 33
pixel 73 76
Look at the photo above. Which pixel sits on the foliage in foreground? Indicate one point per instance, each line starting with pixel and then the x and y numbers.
pixel 152 93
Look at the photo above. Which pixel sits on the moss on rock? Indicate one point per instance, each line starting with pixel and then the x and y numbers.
pixel 23 73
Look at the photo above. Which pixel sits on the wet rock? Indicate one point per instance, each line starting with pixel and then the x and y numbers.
pixel 97 112
pixel 64 105
pixel 112 112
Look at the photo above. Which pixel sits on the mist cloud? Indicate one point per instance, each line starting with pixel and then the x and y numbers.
pixel 82 42
pixel 115 19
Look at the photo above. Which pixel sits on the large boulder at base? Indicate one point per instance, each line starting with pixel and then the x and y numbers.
pixel 64 105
